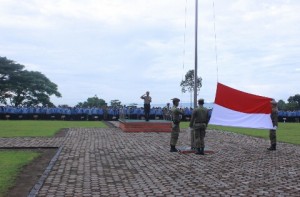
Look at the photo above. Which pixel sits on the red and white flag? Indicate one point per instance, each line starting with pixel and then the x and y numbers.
pixel 240 109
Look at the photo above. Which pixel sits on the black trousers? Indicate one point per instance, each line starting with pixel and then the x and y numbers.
pixel 147 111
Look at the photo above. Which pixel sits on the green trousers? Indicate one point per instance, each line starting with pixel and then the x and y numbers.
pixel 272 135
pixel 174 134
pixel 199 137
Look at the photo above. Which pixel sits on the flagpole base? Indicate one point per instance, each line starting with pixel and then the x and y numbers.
pixel 188 149
pixel 185 149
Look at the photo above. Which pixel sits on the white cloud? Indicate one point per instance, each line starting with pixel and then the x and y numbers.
pixel 118 49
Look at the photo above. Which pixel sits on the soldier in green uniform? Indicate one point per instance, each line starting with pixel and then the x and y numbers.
pixel 198 123
pixel 272 132
pixel 176 117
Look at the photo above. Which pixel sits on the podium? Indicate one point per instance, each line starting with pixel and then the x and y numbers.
pixel 131 125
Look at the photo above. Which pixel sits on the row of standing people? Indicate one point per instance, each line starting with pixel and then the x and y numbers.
pixel 75 113
pixel 112 113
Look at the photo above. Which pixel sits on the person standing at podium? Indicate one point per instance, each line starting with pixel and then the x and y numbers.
pixel 147 100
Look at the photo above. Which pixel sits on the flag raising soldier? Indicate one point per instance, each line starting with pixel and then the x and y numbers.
pixel 272 132
pixel 198 123
pixel 176 117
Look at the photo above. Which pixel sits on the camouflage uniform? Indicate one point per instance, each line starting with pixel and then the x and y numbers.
pixel 199 122
pixel 175 125
pixel 272 132
pixel 176 117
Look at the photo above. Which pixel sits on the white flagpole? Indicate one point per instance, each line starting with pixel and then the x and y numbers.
pixel 196 54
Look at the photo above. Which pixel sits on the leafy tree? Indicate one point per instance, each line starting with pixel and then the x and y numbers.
pixel 22 87
pixel 294 101
pixel 7 68
pixel 115 103
pixel 281 105
pixel 32 88
pixel 189 83
pixel 291 106
pixel 92 102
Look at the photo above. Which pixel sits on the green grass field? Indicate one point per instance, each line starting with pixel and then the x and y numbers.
pixel 287 132
pixel 11 162
pixel 32 128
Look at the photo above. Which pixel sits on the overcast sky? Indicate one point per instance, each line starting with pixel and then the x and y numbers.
pixel 118 49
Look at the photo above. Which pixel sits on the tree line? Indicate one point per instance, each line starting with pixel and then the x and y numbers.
pixel 293 103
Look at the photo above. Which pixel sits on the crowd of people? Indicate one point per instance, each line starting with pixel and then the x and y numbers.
pixel 77 113
pixel 106 113
pixel 289 116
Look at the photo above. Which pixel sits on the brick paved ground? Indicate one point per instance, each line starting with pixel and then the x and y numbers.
pixel 109 162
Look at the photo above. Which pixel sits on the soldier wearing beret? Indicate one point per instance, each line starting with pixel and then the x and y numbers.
pixel 198 123
pixel 176 117
pixel 272 132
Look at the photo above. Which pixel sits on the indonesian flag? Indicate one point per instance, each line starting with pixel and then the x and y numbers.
pixel 240 109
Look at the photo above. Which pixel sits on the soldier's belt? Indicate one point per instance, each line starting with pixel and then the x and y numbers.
pixel 197 124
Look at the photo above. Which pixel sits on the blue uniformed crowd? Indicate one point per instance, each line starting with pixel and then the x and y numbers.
pixel 289 116
pixel 77 113
pixel 105 113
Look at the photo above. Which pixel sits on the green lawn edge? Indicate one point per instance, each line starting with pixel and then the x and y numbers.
pixel 40 128
pixel 11 164
pixel 286 132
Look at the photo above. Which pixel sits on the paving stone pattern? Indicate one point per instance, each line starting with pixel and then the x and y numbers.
pixel 110 162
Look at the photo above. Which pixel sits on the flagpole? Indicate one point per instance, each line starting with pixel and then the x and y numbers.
pixel 196 54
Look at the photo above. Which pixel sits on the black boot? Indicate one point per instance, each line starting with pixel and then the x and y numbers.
pixel 173 149
pixel 201 151
pixel 198 152
pixel 273 147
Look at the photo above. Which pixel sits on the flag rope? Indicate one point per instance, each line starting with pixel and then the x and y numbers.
pixel 184 38
pixel 184 43
pixel 216 51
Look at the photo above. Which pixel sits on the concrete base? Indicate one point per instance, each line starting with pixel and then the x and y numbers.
pixel 187 149
pixel 128 125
